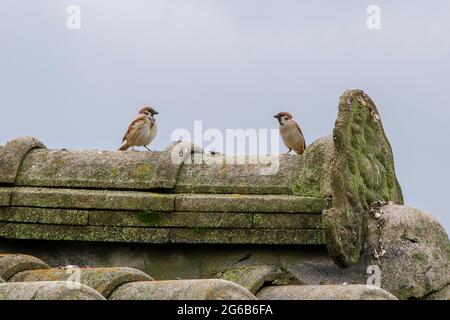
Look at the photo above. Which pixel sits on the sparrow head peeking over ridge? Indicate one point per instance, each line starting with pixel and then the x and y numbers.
pixel 291 133
pixel 141 131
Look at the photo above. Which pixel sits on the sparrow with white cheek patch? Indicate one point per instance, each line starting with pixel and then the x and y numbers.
pixel 141 131
pixel 291 133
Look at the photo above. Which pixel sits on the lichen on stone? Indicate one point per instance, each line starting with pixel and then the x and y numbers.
pixel 362 172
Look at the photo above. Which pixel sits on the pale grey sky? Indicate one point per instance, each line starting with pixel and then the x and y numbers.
pixel 231 64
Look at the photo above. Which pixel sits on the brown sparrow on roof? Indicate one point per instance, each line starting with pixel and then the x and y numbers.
pixel 291 133
pixel 141 131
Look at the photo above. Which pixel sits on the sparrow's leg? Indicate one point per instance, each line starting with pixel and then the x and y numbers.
pixel 288 152
pixel 147 148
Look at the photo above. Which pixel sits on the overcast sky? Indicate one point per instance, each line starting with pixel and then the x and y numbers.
pixel 231 64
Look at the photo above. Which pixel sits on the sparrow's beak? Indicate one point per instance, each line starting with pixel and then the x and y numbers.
pixel 276 116
pixel 155 112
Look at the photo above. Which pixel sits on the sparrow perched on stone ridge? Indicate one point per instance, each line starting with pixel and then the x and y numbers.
pixel 291 133
pixel 141 131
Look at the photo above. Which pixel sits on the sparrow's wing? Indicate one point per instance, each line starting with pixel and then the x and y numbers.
pixel 134 127
pixel 301 133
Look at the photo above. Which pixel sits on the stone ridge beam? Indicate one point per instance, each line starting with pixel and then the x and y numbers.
pixel 11 264
pixel 89 169
pixel 157 171
pixel 103 280
pixel 47 290
pixel 242 176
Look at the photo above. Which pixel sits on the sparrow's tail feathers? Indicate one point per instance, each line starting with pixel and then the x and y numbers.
pixel 124 147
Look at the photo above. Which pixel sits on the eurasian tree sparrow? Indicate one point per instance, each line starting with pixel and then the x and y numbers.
pixel 141 131
pixel 291 133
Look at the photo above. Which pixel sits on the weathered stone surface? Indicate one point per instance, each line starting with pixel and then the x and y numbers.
pixel 186 261
pixel 84 233
pixel 417 258
pixel 324 292
pixel 161 235
pixel 90 169
pixel 289 220
pixel 5 197
pixel 91 199
pixel 362 172
pixel 247 236
pixel 252 277
pixel 103 280
pixel 47 290
pixel 171 161
pixel 241 175
pixel 12 155
pixel 44 216
pixel 313 177
pixel 210 289
pixel 171 219
pixel 443 294
pixel 320 270
pixel 249 203
pixel 10 264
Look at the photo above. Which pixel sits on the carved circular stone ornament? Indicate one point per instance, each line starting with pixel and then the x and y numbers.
pixel 362 172
pixel 12 155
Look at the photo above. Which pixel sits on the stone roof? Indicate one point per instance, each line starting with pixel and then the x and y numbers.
pixel 319 198
pixel 138 222
pixel 28 278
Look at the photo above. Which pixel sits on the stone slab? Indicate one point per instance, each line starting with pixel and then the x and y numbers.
pixel 247 236
pixel 84 233
pixel 170 219
pixel 243 175
pixel 90 169
pixel 249 203
pixel 162 235
pixel 288 221
pixel 91 199
pixel 44 215
pixel 5 197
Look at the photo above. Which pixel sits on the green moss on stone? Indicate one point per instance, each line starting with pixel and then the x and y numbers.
pixel 198 231
pixel 149 217
pixel 362 172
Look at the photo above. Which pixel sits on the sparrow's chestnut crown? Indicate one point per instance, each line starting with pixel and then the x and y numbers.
pixel 148 110
pixel 285 115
